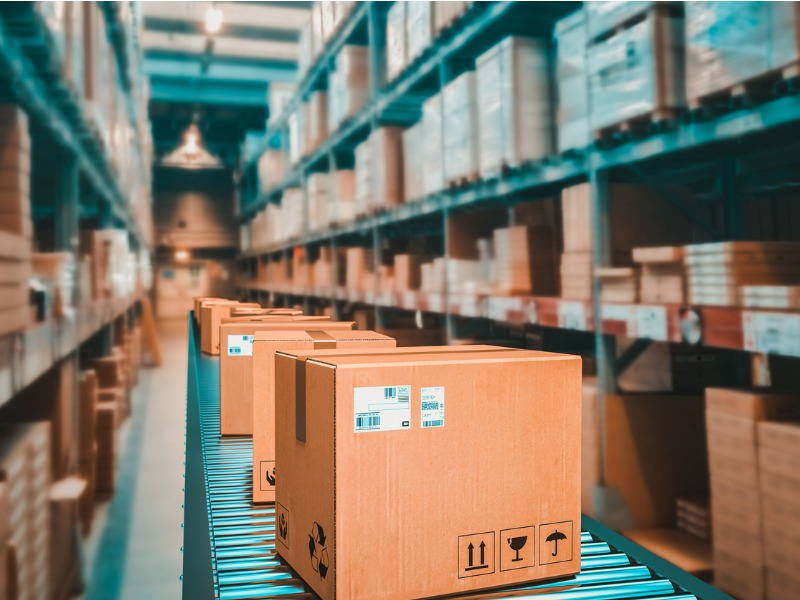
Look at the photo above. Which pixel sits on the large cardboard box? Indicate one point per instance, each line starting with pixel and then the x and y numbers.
pixel 377 435
pixel 265 345
pixel 754 404
pixel 236 366
pixel 211 315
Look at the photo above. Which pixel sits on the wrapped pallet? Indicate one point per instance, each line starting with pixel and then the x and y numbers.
pixel 348 85
pixel 419 27
pixel 605 17
pixel 572 115
pixel 396 45
pixel 432 169
pixel 637 73
pixel 460 142
pixel 513 92
pixel 292 210
pixel 297 137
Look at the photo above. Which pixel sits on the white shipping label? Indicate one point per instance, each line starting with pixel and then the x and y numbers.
pixel 432 407
pixel 240 345
pixel 382 408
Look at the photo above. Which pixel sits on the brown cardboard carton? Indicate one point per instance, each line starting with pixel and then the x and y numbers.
pixel 758 405
pixel 781 549
pixel 198 301
pixel 265 344
pixel 64 498
pixel 375 441
pixel 737 575
pixel 778 463
pixel 746 498
pixel 732 538
pixel 781 437
pixel 782 587
pixel 211 315
pixel 733 471
pixel 236 367
pixel 786 489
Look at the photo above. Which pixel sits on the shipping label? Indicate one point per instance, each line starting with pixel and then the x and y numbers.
pixel 432 406
pixel 240 345
pixel 382 408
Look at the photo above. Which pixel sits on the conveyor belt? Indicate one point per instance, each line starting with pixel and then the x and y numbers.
pixel 242 536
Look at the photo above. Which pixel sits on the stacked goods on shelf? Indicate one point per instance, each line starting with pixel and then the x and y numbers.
pixel 236 364
pixel 407 272
pixel 663 277
pixel 693 515
pixel 413 162
pixel 717 272
pixel 523 261
pixel 348 85
pixel 387 167
pixel 87 446
pixel 280 95
pixel 419 28
pixel 322 269
pixel 638 72
pixel 342 186
pixel 300 268
pixel 360 273
pixel 619 284
pixel 432 276
pixel 65 566
pixel 429 375
pixel 58 268
pixel 779 481
pixel 572 115
pixel 25 472
pixel 446 13
pixel 460 140
pixel 270 170
pixel 608 16
pixel 514 111
pixel 265 346
pixel 364 171
pixel 771 296
pixel 318 210
pixel 316 120
pixel 732 421
pixel 432 145
pixel 15 270
pixel 292 213
pixel 396 40
pixel 469 267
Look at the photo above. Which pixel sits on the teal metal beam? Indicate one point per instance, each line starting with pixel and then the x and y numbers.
pixel 204 91
pixel 221 69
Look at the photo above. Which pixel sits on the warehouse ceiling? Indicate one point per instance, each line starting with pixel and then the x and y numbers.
pixel 217 80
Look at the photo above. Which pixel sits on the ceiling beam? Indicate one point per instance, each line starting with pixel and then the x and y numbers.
pixel 250 32
pixel 182 65
pixel 205 91
pixel 233 13
pixel 223 46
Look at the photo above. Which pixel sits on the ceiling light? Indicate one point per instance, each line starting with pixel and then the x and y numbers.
pixel 182 255
pixel 213 20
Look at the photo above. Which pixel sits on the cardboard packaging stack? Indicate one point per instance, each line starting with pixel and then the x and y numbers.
pixel 270 170
pixel 25 472
pixel 572 115
pixel 396 40
pixel 364 163
pixel 576 261
pixel 266 467
pixel 460 142
pixel 292 213
pixel 432 276
pixel 107 420
pixel 514 109
pixel 446 13
pixel 467 276
pixel 771 296
pixel 58 268
pixel 317 191
pixel 419 28
pixel 236 364
pixel 413 162
pixel 523 260
pixel 343 189
pixel 732 419
pixel 360 269
pixel 779 480
pixel 297 134
pixel 638 72
pixel 387 167
pixel 87 446
pixel 316 130
pixel 15 270
pixel 348 85
pixel 619 284
pixel 398 418
pixel 432 145
pixel 322 269
pixel 717 272
pixel 407 273
pixel 693 515
pixel 65 566
pixel 211 314
pixel 663 277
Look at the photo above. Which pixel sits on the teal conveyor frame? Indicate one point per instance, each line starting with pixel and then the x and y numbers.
pixel 229 543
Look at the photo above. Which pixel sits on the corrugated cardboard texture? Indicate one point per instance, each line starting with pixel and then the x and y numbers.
pixel 264 384
pixel 423 512
pixel 236 371
pixel 211 315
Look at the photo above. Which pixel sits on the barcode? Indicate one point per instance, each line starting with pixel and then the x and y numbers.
pixel 368 421
pixel 389 392
pixel 234 350
pixel 401 393
pixel 434 423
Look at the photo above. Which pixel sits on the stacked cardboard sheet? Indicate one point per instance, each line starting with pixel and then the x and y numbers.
pixel 663 279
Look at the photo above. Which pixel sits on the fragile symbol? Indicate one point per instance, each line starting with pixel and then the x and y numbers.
pixel 555 537
pixel 517 544
pixel 271 478
pixel 283 526
pixel 482 564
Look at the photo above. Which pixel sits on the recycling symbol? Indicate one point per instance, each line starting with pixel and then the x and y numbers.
pixel 317 550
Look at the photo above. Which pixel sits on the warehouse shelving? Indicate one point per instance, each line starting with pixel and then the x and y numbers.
pixel 229 546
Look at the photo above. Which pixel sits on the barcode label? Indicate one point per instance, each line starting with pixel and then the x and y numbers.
pixel 432 407
pixel 382 408
pixel 240 345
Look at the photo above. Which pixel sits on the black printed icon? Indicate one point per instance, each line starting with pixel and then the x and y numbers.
pixel 283 524
pixel 555 537
pixel 267 475
pixel 476 554
pixel 517 544
pixel 271 478
pixel 317 550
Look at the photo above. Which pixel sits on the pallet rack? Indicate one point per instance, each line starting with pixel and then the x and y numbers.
pixel 229 544
pixel 741 149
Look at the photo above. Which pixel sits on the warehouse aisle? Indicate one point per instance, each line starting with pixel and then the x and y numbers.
pixel 134 551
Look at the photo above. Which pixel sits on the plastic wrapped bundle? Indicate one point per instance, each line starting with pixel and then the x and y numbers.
pixel 461 128
pixel 364 186
pixel 396 44
pixel 297 135
pixel 348 85
pixel 637 72
pixel 513 92
pixel 603 17
pixel 316 121
pixel 292 210
pixel 572 116
pixel 419 27
pixel 433 171
pixel 317 201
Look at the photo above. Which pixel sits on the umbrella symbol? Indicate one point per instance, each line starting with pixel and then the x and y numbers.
pixel 554 537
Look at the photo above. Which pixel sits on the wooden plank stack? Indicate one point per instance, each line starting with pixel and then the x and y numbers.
pixel 576 261
pixel 663 278
pixel 693 515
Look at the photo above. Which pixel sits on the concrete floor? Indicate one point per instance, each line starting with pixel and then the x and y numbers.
pixel 134 550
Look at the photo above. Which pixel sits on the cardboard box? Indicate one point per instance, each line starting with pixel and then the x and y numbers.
pixel 781 437
pixel 87 400
pixel 106 439
pixel 236 366
pixel 265 345
pixel 737 575
pixel 778 463
pixel 64 552
pixel 781 586
pixel 758 405
pixel 366 420
pixel 211 315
